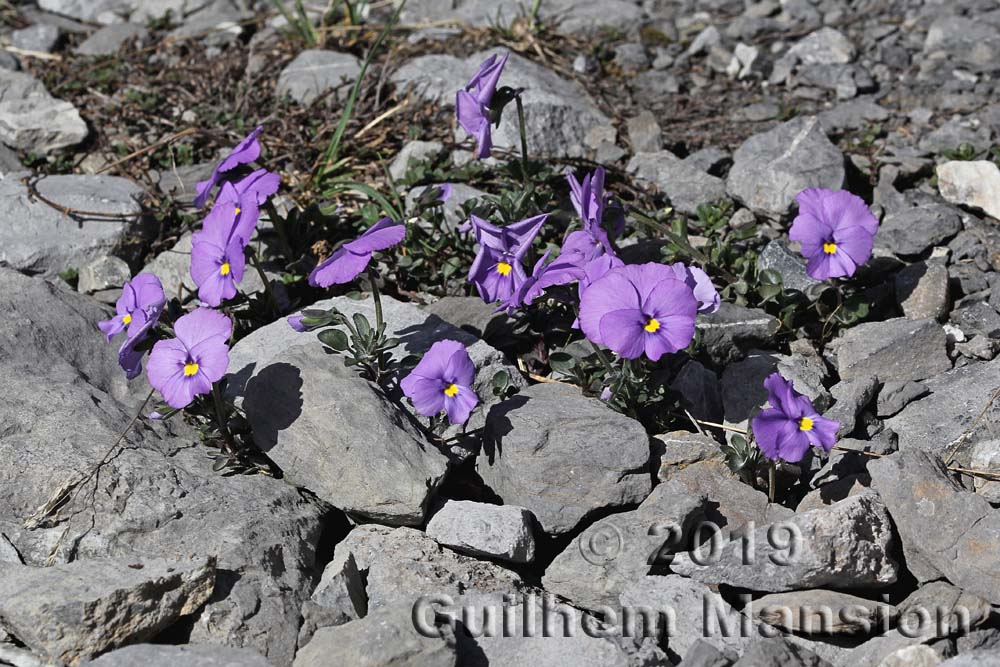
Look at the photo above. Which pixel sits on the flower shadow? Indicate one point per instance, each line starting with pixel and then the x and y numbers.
pixel 498 426
pixel 272 401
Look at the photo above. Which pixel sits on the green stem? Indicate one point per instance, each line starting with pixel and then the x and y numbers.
pixel 682 242
pixel 221 419
pixel 523 130
pixel 276 311
pixel 379 322
pixel 771 481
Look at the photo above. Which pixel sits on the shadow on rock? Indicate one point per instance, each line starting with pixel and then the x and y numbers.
pixel 498 425
pixel 273 401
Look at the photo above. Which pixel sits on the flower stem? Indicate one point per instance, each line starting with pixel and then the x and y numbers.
pixel 379 324
pixel 267 283
pixel 523 130
pixel 221 419
pixel 771 468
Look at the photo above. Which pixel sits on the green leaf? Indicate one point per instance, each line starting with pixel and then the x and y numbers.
pixel 334 338
pixel 562 362
pixel 362 325
pixel 771 277
pixel 501 379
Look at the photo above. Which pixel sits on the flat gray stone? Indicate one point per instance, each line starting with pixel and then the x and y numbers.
pixel 826 46
pixel 912 231
pixel 779 652
pixel 40 37
pixel 38 239
pixel 897 349
pixel 480 529
pixel 728 332
pixel 771 168
pixel 790 265
pixel 189 655
pixel 413 152
pixel 81 609
pixel 685 185
pixel 897 394
pixel 922 290
pixel 975 184
pixel 112 38
pixel 547 449
pixel 315 72
pixel 822 612
pixel 677 450
pixel 103 273
pixel 847 545
pixel 34 121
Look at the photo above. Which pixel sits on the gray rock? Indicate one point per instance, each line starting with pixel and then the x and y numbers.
pixel 791 266
pixel 922 291
pixel 821 612
pixel 977 658
pixel 173 268
pixel 631 57
pixel 829 493
pixel 826 46
pixel 677 450
pixel 79 610
pixel 84 10
pixel 945 529
pixel 976 317
pixel 986 456
pixel 113 38
pixel 685 185
pixel 704 654
pixel 914 230
pixel 384 638
pixel 34 121
pixel 897 349
pixel 699 391
pixel 558 112
pixel 847 545
pixel 779 652
pixel 41 37
pixel 9 162
pixel 769 169
pixel 157 495
pixel 964 39
pixel 38 239
pixel 103 273
pixel 709 158
pixel 889 649
pixel 957 414
pixel 743 392
pixel 852 115
pixel 402 564
pixel 480 529
pixel 315 72
pixel 850 397
pixel 189 655
pixel 546 449
pixel 179 181
pixel 594 569
pixel 452 209
pixel 940 602
pixel 644 133
pixel 975 184
pixel 342 589
pixel 897 394
pixel 412 152
pixel 726 333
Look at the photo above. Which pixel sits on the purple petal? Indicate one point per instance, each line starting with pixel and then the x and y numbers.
pixel 426 393
pixel 341 267
pixel 295 322
pixel 461 405
pixel 768 427
pixel 460 368
pixel 613 291
pixel 212 357
pixel 383 234
pixel 622 331
pixel 202 324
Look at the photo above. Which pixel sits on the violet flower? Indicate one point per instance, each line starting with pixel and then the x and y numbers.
pixel 353 257
pixel 141 299
pixel 791 425
pixel 497 271
pixel 247 150
pixel 248 194
pixel 836 230
pixel 472 104
pixel 639 309
pixel 183 367
pixel 557 272
pixel 589 200
pixel 217 259
pixel 443 381
pixel 704 291
pixel 129 354
pixel 295 322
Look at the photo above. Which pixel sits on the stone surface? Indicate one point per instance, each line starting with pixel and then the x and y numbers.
pixel 413 152
pixel 698 390
pixel 776 256
pixel 157 495
pixel 103 273
pixel 40 37
pixel 563 456
pixel 975 184
pixel 314 72
pixel 897 394
pixel 32 120
pixel 728 332
pixel 826 46
pixel 898 349
pixel 944 529
pixel 675 451
pixel 38 239
pixel 922 290
pixel 912 231
pixel 342 589
pixel 822 612
pixel 847 545
pixel 189 655
pixel 479 529
pixel 779 651
pixel 112 38
pixel 558 112
pixel 644 133
pixel 957 610
pixel 685 185
pixel 596 566
pixel 769 169
pixel 79 610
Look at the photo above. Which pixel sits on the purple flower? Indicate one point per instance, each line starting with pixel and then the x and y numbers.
pixel 836 230
pixel 639 309
pixel 141 298
pixel 129 356
pixel 247 150
pixel 704 291
pixel 443 381
pixel 217 259
pixel 445 190
pixel 791 425
pixel 590 202
pixel 352 258
pixel 497 271
pixel 557 272
pixel 472 105
pixel 248 194
pixel 295 322
pixel 185 366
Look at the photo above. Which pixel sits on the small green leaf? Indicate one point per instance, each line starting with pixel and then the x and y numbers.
pixel 363 327
pixel 501 379
pixel 334 338
pixel 562 362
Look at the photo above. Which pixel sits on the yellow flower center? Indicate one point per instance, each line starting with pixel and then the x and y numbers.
pixel 653 325
pixel 127 319
pixel 237 210
pixel 805 424
pixel 224 269
pixel 190 368
pixel 830 248
pixel 451 390
pixel 503 268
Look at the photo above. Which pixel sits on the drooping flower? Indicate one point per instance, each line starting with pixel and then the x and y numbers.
pixel 246 151
pixel 639 309
pixel 497 271
pixel 141 299
pixel 248 194
pixel 129 354
pixel 699 282
pixel 352 258
pixel 791 425
pixel 217 258
pixel 443 381
pixel 295 322
pixel 183 367
pixel 472 104
pixel 836 230
pixel 560 271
